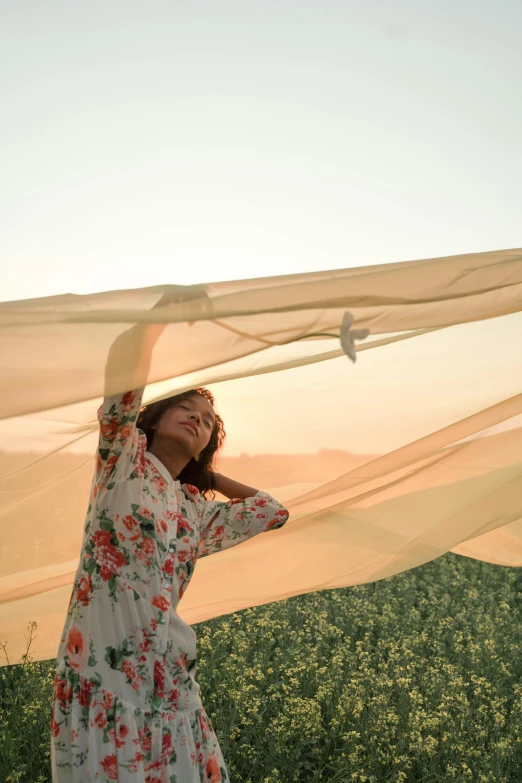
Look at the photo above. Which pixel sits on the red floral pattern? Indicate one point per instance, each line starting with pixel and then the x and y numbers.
pixel 126 704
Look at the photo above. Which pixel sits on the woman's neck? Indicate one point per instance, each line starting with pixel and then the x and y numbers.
pixel 173 461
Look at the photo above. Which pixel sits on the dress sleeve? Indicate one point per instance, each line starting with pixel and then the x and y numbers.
pixel 119 440
pixel 226 523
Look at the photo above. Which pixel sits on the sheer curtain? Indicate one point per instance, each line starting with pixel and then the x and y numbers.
pixel 385 464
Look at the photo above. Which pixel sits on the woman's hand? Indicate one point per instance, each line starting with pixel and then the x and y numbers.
pixel 177 294
pixel 129 358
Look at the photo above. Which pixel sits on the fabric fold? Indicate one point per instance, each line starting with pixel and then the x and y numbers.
pixel 413 451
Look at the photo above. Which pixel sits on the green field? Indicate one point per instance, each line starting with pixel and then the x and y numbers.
pixel 415 678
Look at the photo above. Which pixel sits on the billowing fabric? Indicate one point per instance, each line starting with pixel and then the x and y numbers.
pixel 385 464
pixel 126 704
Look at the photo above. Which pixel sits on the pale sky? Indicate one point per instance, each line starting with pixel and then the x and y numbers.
pixel 146 143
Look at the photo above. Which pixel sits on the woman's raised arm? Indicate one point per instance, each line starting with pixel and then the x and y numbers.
pixel 127 370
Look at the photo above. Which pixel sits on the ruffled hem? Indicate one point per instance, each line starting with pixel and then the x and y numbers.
pixel 108 740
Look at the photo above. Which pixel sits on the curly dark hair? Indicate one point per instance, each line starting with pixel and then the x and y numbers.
pixel 198 473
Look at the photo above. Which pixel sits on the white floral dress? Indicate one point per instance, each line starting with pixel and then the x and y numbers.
pixel 126 704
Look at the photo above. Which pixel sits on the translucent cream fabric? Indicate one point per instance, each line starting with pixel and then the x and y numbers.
pixel 385 464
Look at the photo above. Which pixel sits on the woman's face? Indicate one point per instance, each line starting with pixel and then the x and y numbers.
pixel 189 422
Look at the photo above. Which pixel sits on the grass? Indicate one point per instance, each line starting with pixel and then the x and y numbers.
pixel 414 678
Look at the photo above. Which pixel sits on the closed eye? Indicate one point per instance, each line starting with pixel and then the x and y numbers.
pixel 208 422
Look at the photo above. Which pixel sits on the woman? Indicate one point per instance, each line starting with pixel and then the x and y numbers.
pixel 126 704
